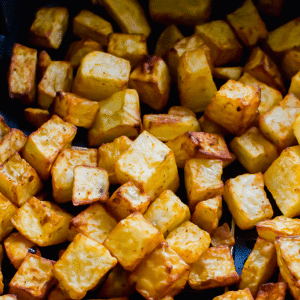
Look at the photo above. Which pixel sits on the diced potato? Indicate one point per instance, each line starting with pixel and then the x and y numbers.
pixel 229 162
pixel 254 151
pixel 36 116
pixel 4 128
pixel 62 171
pixel 202 179
pixel 290 63
pixel 188 241
pixel 100 75
pixel 294 87
pixel 83 254
pixel 272 8
pixel 156 169
pixel 75 109
pixel 42 222
pixel 22 74
pixel 49 27
pixel 8 297
pixel 180 111
pixel 215 268
pixel 234 106
pixel 162 273
pixel 26 286
pixel 58 293
pixel 272 291
pixel 227 73
pixel 88 25
pixel 43 145
pixel 208 213
pixel 209 126
pixel 132 239
pixel 43 63
pixel 152 81
pixel 223 236
pixel 1 275
pixel 118 115
pixel 296 127
pixel 236 295
pixel 247 200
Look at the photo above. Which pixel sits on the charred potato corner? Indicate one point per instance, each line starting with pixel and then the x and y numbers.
pixel 151 150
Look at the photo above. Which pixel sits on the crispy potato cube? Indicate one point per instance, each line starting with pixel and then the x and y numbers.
pixel 259 267
pixel 272 291
pixel 290 63
pixel 227 73
pixel 234 106
pixel 1 275
pixel 75 110
pixel 162 273
pixel 91 26
pixel 152 81
pixel 180 111
pixel 36 116
pixel 17 247
pixel 188 241
pixel 7 210
pixel 94 222
pixel 296 128
pixel 132 47
pixel 254 151
pixel 236 295
pixel 42 222
pixel 4 128
pixel 59 293
pixel 167 212
pixel 109 153
pixel 156 170
pixel 193 67
pixel 126 200
pixel 43 145
pixel 49 27
pixel 100 75
pixel 132 239
pixel 62 171
pixel 43 63
pixel 209 126
pixel 83 254
pixel 8 297
pixel 223 236
pixel 118 115
pixel 26 286
pixel 250 28
pixel 215 268
pixel 247 200
pixel 208 213
pixel 228 162
pixel 294 87
pixel 22 74
pixel 18 180
pixel 202 179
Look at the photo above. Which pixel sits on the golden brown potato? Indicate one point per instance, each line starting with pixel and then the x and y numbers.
pixel 209 126
pixel 290 63
pixel 8 297
pixel 294 87
pixel 272 291
pixel 223 236
pixel 58 293
pixel 36 116
pixel 180 111
pixel 227 73
pixel 236 295
pixel 43 63
pixel 4 128
pixel 1 275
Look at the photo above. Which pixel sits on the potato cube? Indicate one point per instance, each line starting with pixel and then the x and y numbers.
pixel 294 88
pixel 8 297
pixel 132 239
pixel 1 275
pixel 272 291
pixel 247 200
pixel 162 273
pixel 109 153
pixel 62 171
pixel 118 115
pixel 236 295
pixel 91 26
pixel 208 213
pixel 271 8
pixel 94 222
pixel 58 293
pixel 43 63
pixel 167 212
pixel 4 128
pixel 202 179
pixel 43 145
pixel 227 73
pixel 296 127
pixel 42 222
pixel 49 27
pixel 222 236
pixel 234 106
pixel 26 286
pixel 215 268
pixel 17 247
pixel 83 254
pixel 22 74
pixel 209 126
pixel 156 169
pixel 36 116
pixel 100 75
pixel 180 111
pixel 290 63
pixel 152 81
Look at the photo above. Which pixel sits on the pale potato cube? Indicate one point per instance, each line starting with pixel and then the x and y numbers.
pixel 208 213
pixel 234 106
pixel 271 7
pixel 36 116
pixel 22 74
pixel 100 75
pixel 215 268
pixel 294 87
pixel 290 63
pixel 236 295
pixel 167 212
pixel 202 179
pixel 227 73
pixel 42 222
pixel 118 115
pixel 91 26
pixel 82 265
pixel 8 297
pixel 4 128
pixel 43 63
pixel 149 164
pixel 188 241
pixel 132 239
pixel 162 273
pixel 223 236
pixel 26 286
pixel 247 200
pixel 62 171
pixel 180 111
pixel 152 81
pixel 209 126
pixel 49 27
pixel 75 110
pixel 272 291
